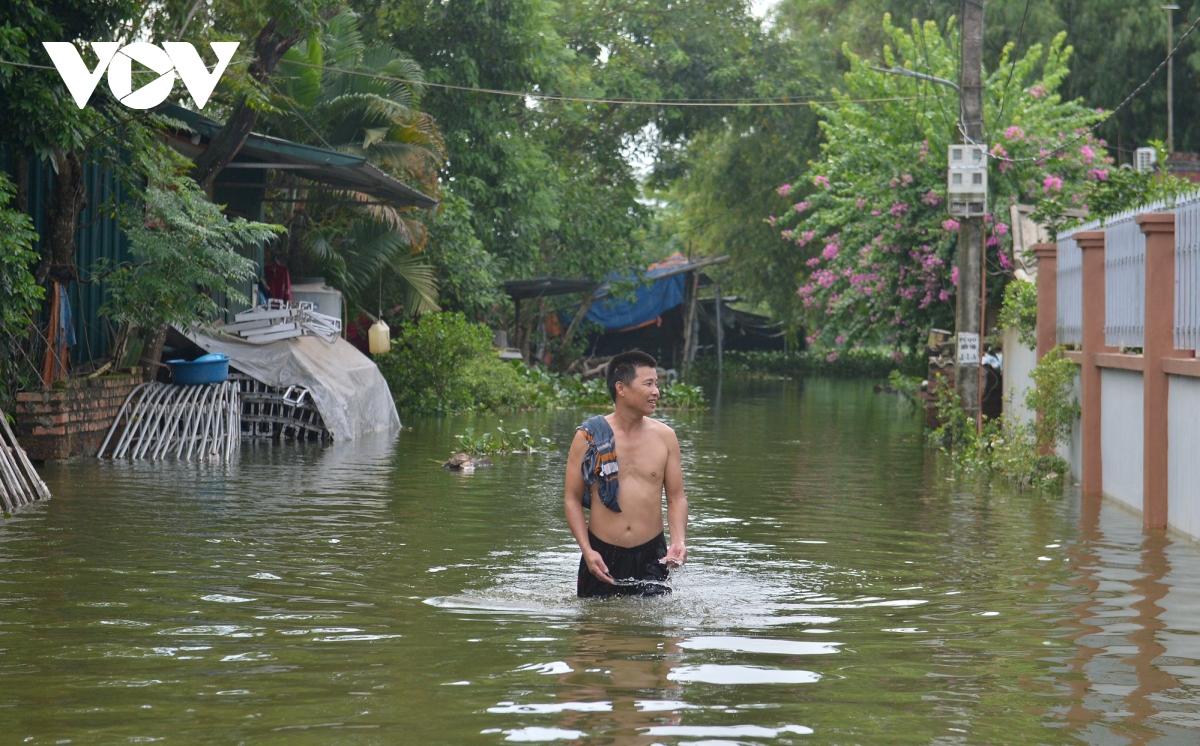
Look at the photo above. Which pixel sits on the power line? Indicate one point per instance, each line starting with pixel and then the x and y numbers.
pixel 615 101
pixel 760 103
pixel 1062 148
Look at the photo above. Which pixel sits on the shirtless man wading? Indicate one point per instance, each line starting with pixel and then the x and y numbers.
pixel 624 549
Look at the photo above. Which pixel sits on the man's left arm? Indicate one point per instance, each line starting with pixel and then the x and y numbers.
pixel 677 504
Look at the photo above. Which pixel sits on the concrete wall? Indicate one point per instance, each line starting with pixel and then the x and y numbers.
pixel 1183 453
pixel 1019 360
pixel 1121 427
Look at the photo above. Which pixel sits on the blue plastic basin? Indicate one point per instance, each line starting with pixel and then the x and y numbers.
pixel 210 368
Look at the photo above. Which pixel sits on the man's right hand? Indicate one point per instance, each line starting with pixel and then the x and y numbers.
pixel 597 567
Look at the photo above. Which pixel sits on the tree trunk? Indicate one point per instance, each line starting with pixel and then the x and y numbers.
pixel 62 217
pixel 152 351
pixel 584 307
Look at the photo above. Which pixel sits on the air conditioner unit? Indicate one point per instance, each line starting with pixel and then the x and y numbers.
pixel 1144 159
pixel 967 180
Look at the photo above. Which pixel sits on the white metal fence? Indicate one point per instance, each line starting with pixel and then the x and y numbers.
pixel 1069 323
pixel 1187 273
pixel 1125 281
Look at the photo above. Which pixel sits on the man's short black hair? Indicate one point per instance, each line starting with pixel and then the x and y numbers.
pixel 624 367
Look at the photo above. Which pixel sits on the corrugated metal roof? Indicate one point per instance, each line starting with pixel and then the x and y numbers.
pixel 329 167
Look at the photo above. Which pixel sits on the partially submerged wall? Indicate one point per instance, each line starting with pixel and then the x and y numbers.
pixel 71 419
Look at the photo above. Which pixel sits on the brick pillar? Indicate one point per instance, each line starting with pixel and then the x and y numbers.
pixel 1159 343
pixel 1047 296
pixel 1092 466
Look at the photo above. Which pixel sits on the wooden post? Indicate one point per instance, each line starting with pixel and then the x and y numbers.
pixel 720 335
pixel 1047 296
pixel 516 322
pixel 689 321
pixel 1092 465
pixel 1158 343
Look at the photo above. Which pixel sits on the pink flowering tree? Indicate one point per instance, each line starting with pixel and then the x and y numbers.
pixel 879 243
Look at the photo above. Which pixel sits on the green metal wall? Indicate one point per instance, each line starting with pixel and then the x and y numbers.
pixel 100 237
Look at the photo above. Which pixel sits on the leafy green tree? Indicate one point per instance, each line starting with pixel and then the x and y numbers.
pixel 1118 44
pixel 880 246
pixel 187 250
pixel 41 120
pixel 336 91
pixel 19 292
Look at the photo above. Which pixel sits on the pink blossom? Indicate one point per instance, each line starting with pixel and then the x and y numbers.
pixel 788 234
pixel 1005 262
pixel 951 225
pixel 898 209
pixel 831 356
pixel 783 190
pixel 993 241
pixel 771 220
pixel 998 151
pixel 839 339
pixel 805 237
pixel 1038 91
pixel 875 213
pixel 1098 174
pixel 954 276
pixel 1088 154
pixel 860 203
pixel 944 295
pixel 1051 183
pixel 931 198
pixel 1001 229
pixel 821 181
pixel 831 250
pixel 813 261
pixel 906 179
pixel 1014 133
pixel 802 206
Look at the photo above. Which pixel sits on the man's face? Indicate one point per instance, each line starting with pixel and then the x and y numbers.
pixel 642 393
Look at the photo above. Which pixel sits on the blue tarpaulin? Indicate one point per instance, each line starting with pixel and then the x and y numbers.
pixel 647 303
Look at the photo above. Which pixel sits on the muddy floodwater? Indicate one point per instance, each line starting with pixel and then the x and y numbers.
pixel 842 589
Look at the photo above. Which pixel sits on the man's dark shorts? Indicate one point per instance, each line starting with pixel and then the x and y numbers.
pixel 637 570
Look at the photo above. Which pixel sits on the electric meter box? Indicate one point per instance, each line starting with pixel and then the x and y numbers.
pixel 967 180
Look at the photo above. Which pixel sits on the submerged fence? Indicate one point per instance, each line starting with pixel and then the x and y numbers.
pixel 1126 294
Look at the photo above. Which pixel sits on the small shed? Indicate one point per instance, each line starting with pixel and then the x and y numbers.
pixel 658 309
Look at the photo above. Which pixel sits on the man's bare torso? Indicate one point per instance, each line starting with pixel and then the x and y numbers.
pixel 642 460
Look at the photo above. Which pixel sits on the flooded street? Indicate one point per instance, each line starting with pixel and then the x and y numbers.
pixel 841 589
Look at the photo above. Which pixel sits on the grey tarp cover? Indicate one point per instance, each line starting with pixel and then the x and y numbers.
pixel 348 389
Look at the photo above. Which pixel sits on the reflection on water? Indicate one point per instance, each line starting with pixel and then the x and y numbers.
pixel 842 588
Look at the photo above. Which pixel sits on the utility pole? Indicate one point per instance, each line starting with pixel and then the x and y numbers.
pixel 968 316
pixel 1170 80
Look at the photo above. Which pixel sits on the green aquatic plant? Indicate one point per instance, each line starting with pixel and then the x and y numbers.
pixel 1019 311
pixel 1020 453
pixel 502 442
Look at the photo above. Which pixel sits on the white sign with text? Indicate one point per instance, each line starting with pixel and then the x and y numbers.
pixel 968 348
